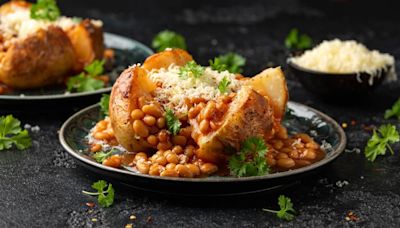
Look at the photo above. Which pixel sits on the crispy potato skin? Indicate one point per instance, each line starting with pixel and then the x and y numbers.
pixel 39 60
pixel 166 58
pixel 126 90
pixel 88 43
pixel 250 114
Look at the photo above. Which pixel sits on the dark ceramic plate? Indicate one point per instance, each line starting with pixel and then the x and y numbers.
pixel 299 118
pixel 331 85
pixel 127 51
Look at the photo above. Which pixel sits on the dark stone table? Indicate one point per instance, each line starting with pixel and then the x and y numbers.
pixel 41 187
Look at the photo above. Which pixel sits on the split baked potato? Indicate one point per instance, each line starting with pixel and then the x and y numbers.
pixel 256 108
pixel 48 51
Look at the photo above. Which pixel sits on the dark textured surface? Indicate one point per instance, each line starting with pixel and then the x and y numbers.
pixel 41 187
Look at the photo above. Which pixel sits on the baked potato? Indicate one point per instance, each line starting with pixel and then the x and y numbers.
pixel 256 106
pixel 39 53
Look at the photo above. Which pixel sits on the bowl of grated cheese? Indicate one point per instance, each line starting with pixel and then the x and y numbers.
pixel 341 68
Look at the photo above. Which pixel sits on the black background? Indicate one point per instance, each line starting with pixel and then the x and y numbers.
pixel 41 187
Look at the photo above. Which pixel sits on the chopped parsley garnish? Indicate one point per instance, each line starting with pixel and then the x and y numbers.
pixel 45 10
pixel 168 39
pixel 223 85
pixel 104 104
pixel 286 211
pixel 101 155
pixel 251 159
pixel 380 141
pixel 173 122
pixel 297 41
pixel 87 81
pixel 191 69
pixel 12 134
pixel 231 62
pixel 105 195
pixel 394 111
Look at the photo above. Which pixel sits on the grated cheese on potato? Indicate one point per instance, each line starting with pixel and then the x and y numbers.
pixel 173 89
pixel 336 56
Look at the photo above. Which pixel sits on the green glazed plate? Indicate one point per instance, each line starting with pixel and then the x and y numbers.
pixel 127 52
pixel 299 118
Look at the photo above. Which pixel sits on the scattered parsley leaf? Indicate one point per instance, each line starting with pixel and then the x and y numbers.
pixel 251 159
pixel 104 104
pixel 101 156
pixel 286 211
pixel 231 62
pixel 394 111
pixel 168 39
pixel 11 133
pixel 105 197
pixel 87 81
pixel 380 141
pixel 173 122
pixel 45 10
pixel 191 69
pixel 223 85
pixel 83 83
pixel 296 41
pixel 96 68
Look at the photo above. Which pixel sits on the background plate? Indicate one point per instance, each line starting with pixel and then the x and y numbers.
pixel 127 52
pixel 299 118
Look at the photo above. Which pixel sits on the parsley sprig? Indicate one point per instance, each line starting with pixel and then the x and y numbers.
pixel 104 104
pixel 168 39
pixel 223 85
pixel 286 211
pixel 297 41
pixel 251 160
pixel 87 81
pixel 191 69
pixel 11 133
pixel 45 10
pixel 173 123
pixel 394 111
pixel 231 62
pixel 102 155
pixel 380 141
pixel 105 193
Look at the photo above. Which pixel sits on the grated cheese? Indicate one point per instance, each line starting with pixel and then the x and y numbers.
pixel 336 56
pixel 19 23
pixel 173 89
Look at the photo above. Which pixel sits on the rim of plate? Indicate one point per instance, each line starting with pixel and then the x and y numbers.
pixel 326 118
pixel 127 42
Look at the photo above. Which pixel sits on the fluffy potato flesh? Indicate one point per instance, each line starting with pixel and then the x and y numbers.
pixel 39 60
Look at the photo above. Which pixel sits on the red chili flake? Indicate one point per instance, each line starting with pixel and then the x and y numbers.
pixel 353 123
pixel 149 219
pixel 352 217
pixel 90 204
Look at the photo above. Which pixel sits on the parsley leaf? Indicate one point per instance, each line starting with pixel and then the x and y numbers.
pixel 101 156
pixel 168 39
pixel 251 160
pixel 286 211
pixel 96 68
pixel 394 111
pixel 105 197
pixel 83 83
pixel 87 81
pixel 191 69
pixel 104 104
pixel 380 141
pixel 223 85
pixel 11 133
pixel 231 62
pixel 173 122
pixel 45 10
pixel 296 41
